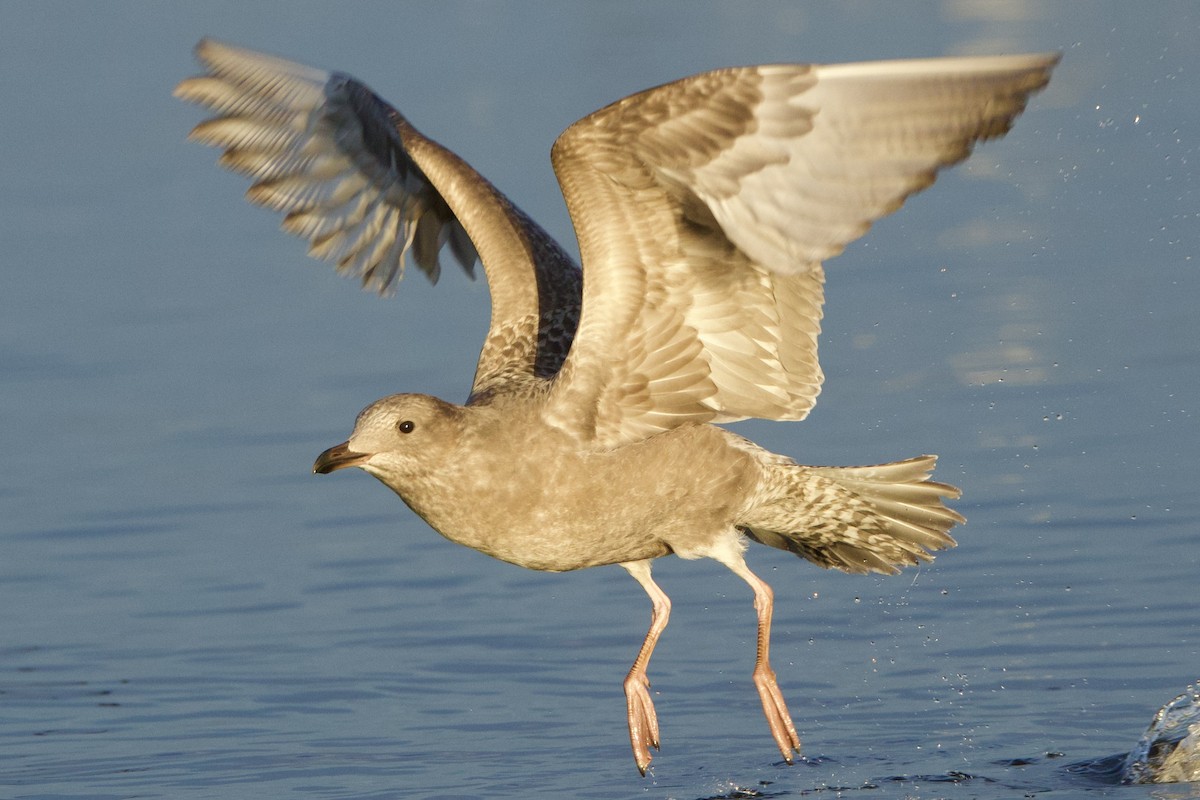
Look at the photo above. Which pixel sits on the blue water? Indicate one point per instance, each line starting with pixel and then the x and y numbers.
pixel 186 612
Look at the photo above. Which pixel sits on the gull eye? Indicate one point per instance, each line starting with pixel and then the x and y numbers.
pixel 406 426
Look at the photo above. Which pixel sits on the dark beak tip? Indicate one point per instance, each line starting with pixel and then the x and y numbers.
pixel 338 457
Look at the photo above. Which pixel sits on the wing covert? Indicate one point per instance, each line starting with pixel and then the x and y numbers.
pixel 705 207
pixel 368 192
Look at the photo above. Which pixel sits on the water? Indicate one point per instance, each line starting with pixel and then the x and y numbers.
pixel 186 612
pixel 1169 750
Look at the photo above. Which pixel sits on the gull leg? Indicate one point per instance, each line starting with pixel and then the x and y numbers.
pixel 643 722
pixel 774 707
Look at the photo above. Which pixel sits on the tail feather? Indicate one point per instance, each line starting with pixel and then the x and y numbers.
pixel 858 519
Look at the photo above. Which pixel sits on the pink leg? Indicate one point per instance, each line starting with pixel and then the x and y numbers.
pixel 643 722
pixel 774 707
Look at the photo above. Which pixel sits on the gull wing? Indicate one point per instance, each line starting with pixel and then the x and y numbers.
pixel 705 207
pixel 367 191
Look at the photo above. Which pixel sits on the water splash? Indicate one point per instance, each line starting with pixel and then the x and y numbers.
pixel 1169 751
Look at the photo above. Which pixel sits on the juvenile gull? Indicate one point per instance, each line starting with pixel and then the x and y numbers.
pixel 703 210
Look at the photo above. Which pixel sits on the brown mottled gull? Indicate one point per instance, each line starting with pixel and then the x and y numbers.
pixel 703 210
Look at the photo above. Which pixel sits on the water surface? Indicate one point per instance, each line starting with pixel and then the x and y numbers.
pixel 186 612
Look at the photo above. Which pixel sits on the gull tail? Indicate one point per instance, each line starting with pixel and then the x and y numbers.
pixel 857 519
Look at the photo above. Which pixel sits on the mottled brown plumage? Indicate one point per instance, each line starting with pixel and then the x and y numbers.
pixel 704 209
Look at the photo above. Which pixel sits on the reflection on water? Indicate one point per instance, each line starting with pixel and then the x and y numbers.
pixel 1017 318
pixel 1169 750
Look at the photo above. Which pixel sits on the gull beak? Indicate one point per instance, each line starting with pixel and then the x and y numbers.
pixel 338 457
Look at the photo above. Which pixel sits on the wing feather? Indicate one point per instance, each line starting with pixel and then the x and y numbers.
pixel 369 192
pixel 706 206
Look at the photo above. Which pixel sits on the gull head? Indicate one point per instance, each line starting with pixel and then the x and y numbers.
pixel 397 438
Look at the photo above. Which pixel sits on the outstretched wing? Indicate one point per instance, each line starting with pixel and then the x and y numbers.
pixel 367 190
pixel 705 207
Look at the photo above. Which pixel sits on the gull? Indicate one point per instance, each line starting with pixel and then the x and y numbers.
pixel 703 210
